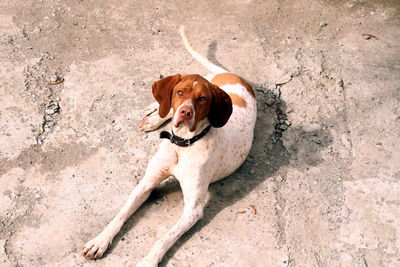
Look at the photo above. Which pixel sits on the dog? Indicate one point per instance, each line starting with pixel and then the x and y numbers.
pixel 213 121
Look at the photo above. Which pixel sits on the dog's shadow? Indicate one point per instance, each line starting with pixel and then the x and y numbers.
pixel 267 156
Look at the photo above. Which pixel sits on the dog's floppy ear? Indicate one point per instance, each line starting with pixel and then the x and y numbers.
pixel 162 91
pixel 221 107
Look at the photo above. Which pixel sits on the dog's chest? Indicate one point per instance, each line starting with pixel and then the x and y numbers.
pixel 215 156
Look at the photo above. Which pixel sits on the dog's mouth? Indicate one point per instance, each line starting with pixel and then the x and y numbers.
pixel 184 123
pixel 178 123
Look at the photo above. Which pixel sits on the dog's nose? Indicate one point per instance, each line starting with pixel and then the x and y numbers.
pixel 186 113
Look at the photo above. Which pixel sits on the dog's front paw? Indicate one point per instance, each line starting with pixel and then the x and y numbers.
pixel 149 123
pixel 95 248
pixel 151 120
pixel 147 262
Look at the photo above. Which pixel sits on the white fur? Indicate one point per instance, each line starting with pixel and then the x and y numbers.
pixel 211 158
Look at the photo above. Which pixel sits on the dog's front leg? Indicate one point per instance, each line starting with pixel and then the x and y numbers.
pixel 157 170
pixel 194 192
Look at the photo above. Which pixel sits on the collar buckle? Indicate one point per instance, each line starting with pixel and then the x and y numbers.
pixel 187 142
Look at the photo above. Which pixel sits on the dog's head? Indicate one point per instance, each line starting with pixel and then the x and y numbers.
pixel 192 99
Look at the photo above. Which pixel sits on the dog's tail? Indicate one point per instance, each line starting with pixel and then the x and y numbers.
pixel 204 61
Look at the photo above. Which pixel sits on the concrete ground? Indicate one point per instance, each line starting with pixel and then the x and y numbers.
pixel 320 188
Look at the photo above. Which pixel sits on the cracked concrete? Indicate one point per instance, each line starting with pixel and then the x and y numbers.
pixel 323 173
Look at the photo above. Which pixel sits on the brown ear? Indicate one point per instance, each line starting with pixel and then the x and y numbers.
pixel 221 107
pixel 162 91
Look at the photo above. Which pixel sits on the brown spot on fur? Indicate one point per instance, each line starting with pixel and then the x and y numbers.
pixel 238 100
pixel 230 78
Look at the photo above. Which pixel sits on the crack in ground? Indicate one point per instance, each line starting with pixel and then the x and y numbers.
pixel 39 90
pixel 272 98
pixel 50 119
pixel 7 251
pixel 346 114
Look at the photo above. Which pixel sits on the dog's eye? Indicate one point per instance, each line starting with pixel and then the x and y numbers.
pixel 202 98
pixel 180 92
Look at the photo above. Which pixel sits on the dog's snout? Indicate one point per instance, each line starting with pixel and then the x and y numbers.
pixel 186 112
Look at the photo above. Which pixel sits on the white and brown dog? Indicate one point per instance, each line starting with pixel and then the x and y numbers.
pixel 213 121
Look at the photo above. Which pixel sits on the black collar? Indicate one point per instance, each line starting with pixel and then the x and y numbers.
pixel 179 141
